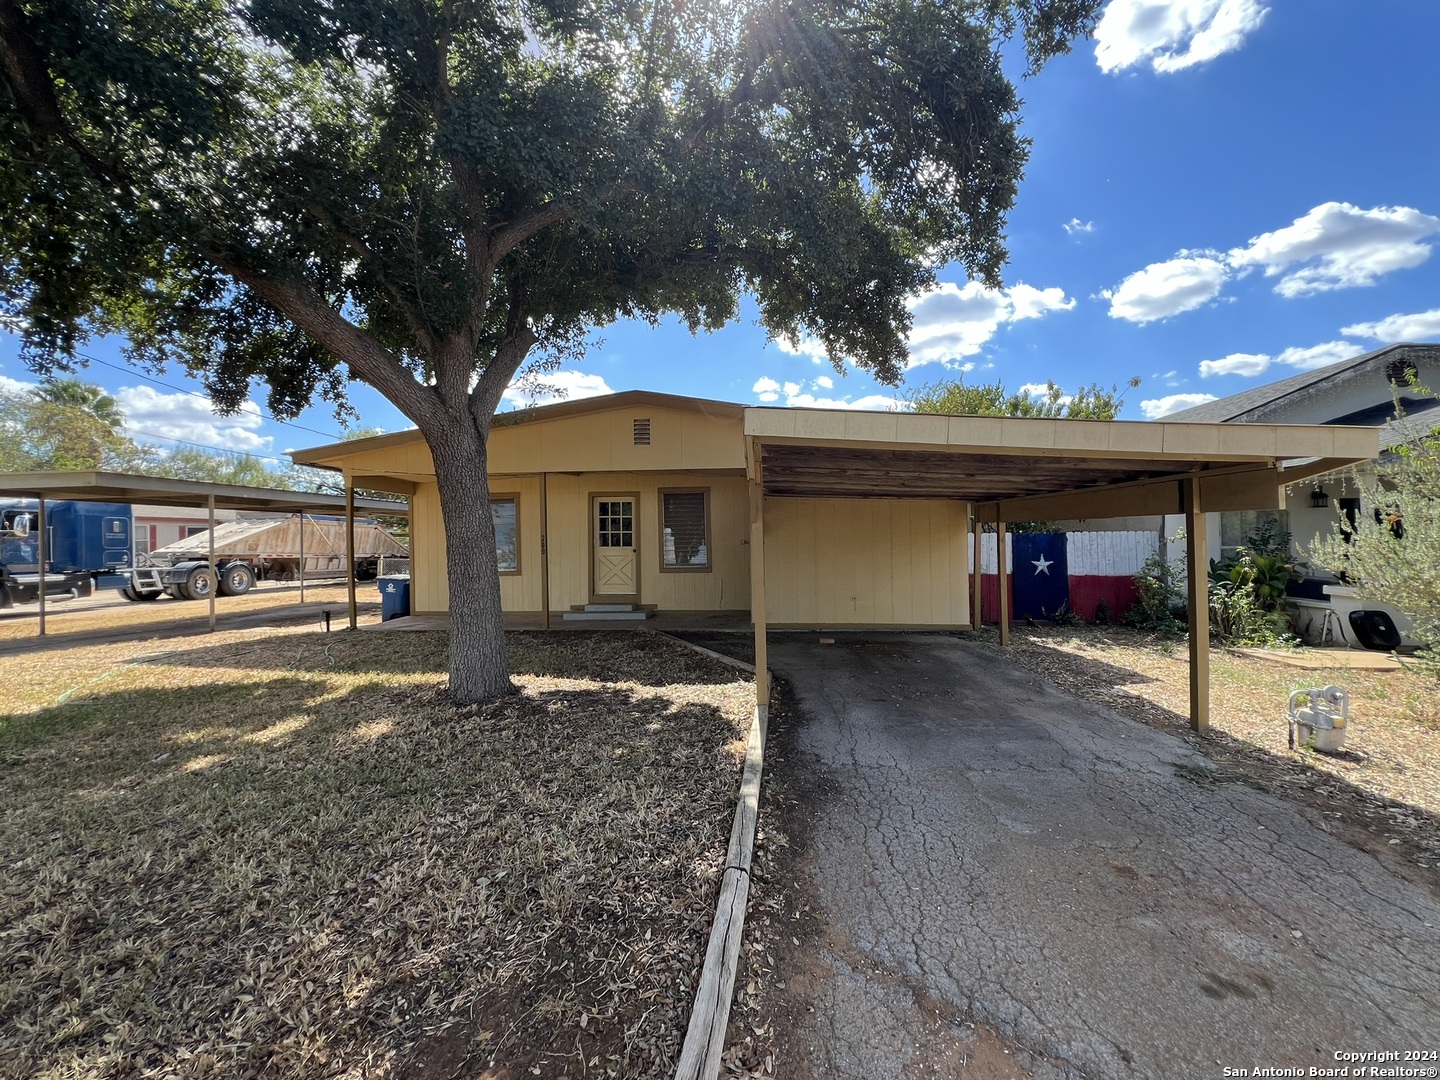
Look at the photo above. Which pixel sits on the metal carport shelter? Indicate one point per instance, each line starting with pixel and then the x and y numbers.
pixel 92 486
pixel 1024 469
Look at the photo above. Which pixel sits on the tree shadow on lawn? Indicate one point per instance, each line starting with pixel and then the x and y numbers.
pixel 303 875
pixel 1352 813
pixel 639 656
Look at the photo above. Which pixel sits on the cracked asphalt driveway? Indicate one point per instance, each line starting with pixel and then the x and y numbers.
pixel 992 851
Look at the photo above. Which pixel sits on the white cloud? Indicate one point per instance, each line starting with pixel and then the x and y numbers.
pixel 1167 288
pixel 1235 364
pixel 1339 246
pixel 1316 356
pixel 554 386
pixel 809 346
pixel 766 389
pixel 1417 326
pixel 953 321
pixel 1034 389
pixel 769 391
pixel 1306 359
pixel 1158 407
pixel 1075 226
pixel 1172 34
pixel 150 414
pixel 824 382
pixel 14 386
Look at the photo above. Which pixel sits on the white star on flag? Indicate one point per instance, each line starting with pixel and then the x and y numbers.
pixel 1042 565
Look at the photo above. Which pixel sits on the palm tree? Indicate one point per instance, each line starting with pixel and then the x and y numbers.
pixel 91 399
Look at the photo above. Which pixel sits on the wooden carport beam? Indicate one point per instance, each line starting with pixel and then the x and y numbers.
pixel 1197 606
pixel 977 595
pixel 754 469
pixel 1002 565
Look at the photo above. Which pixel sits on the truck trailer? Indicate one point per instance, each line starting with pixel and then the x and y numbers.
pixel 256 549
pixel 87 546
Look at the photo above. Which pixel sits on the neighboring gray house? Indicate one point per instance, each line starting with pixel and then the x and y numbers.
pixel 1360 391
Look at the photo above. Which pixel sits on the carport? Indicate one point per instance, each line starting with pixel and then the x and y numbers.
pixel 1011 469
pixel 93 486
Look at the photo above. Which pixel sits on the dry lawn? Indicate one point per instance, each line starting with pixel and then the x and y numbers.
pixel 1387 775
pixel 106 613
pixel 281 853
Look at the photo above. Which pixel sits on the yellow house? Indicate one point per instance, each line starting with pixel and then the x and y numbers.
pixel 810 517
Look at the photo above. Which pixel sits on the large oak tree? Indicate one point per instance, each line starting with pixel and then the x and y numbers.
pixel 427 195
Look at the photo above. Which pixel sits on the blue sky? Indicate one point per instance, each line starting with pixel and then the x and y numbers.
pixel 1221 193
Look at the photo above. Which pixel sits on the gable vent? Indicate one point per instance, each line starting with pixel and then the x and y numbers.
pixel 642 432
pixel 1401 372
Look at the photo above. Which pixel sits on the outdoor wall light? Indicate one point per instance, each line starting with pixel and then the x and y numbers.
pixel 1318 499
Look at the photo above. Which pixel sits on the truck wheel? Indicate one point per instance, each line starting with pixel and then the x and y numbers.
pixel 236 579
pixel 149 594
pixel 129 593
pixel 199 584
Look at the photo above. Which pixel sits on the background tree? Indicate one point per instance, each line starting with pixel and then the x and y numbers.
pixel 65 424
pixel 423 195
pixel 957 397
pixel 1391 552
pixel 191 463
pixel 86 397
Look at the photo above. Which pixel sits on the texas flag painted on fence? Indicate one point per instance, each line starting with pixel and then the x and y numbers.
pixel 1086 572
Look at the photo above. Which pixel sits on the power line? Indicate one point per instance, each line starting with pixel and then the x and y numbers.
pixel 204 446
pixel 202 397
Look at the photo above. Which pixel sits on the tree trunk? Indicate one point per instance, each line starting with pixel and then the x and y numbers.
pixel 479 665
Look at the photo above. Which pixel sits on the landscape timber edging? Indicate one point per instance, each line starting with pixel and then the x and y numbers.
pixel 705 1037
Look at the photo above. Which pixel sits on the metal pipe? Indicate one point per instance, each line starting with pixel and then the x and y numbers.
pixel 42 552
pixel 350 550
pixel 302 556
pixel 214 570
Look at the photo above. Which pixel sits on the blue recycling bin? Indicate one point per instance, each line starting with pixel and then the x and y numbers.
pixel 394 596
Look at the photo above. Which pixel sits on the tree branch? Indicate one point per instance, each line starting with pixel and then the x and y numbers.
pixel 517 341
pixel 367 358
pixel 507 238
pixel 414 317
pixel 27 78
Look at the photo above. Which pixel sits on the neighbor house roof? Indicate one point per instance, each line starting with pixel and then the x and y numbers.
pixel 1258 401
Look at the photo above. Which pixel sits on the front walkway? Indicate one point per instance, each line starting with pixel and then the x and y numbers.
pixel 985 848
pixel 662 621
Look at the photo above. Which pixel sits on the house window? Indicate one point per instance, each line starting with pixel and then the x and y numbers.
pixel 1251 528
pixel 685 530
pixel 504 511
pixel 187 531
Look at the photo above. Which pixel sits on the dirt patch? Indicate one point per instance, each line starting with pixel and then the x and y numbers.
pixel 1381 794
pixel 284 853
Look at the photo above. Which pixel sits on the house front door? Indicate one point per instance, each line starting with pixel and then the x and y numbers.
pixel 616 556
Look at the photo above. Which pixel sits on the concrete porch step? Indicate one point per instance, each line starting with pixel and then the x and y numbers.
pixel 605 607
pixel 615 613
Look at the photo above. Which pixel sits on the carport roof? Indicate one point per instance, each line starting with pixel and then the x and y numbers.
pixel 163 491
pixel 1027 468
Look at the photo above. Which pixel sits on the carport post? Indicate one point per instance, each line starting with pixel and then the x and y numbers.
pixel 544 552
pixel 302 556
pixel 1197 605
pixel 214 570
pixel 1001 563
pixel 350 550
pixel 977 597
pixel 757 570
pixel 42 552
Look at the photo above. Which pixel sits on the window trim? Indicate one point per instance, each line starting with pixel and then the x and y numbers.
pixel 510 496
pixel 660 494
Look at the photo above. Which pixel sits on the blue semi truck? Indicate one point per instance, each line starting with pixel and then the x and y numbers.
pixel 88 547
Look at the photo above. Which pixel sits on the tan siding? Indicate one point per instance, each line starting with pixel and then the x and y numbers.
pixel 725 587
pixel 874 562
pixel 427 551
pixel 605 442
